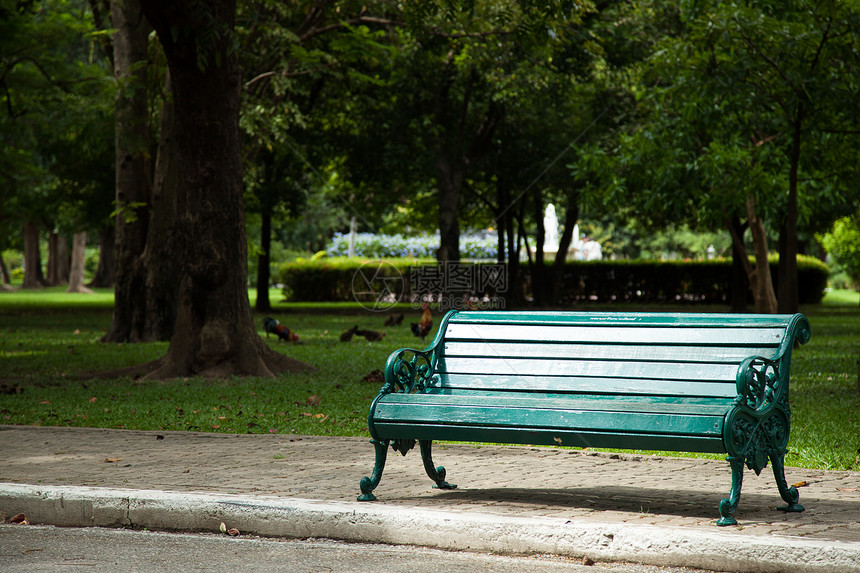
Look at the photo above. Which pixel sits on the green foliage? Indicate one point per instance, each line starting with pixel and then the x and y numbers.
pixel 726 89
pixel 843 243
pixel 55 122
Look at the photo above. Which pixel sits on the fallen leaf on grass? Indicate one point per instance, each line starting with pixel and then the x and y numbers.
pixel 93 400
pixel 45 402
pixel 313 400
pixel 374 377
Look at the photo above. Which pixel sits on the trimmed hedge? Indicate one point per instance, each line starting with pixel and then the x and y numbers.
pixel 344 279
pixel 675 281
pixel 397 246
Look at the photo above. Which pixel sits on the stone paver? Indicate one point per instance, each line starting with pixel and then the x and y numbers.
pixel 507 481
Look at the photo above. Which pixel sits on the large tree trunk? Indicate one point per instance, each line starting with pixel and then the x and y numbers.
pixel 263 272
pixel 759 276
pixel 57 271
pixel 505 220
pixel 132 168
pixel 571 216
pixel 739 283
pixel 33 277
pixel 106 272
pixel 450 176
pixel 539 270
pixel 214 335
pixel 5 277
pixel 158 261
pixel 787 270
pixel 76 274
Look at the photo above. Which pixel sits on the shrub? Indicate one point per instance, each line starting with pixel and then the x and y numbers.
pixel 398 246
pixel 334 279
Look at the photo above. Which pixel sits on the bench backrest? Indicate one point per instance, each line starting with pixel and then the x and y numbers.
pixel 684 355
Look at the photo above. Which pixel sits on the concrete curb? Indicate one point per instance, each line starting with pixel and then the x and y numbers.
pixel 377 523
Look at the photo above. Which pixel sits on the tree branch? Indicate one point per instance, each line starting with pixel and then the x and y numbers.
pixel 313 32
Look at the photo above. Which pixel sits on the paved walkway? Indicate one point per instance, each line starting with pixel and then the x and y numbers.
pixel 510 499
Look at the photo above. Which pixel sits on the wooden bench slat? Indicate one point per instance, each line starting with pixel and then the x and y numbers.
pixel 692 353
pixel 559 437
pixel 591 368
pixel 549 418
pixel 586 384
pixel 595 402
pixel 675 320
pixel 626 335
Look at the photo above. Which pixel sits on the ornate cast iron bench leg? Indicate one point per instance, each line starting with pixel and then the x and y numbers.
pixel 437 474
pixel 789 494
pixel 728 506
pixel 368 484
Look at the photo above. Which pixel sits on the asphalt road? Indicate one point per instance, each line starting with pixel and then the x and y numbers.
pixel 54 549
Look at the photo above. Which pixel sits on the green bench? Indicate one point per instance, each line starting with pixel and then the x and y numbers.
pixel 680 382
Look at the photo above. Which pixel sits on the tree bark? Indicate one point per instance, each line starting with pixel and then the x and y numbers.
pixel 57 271
pixel 214 335
pixel 263 272
pixel 539 269
pixel 132 168
pixel 33 277
pixel 5 278
pixel 76 274
pixel 759 276
pixel 739 285
pixel 106 272
pixel 450 176
pixel 787 270
pixel 571 216
pixel 158 260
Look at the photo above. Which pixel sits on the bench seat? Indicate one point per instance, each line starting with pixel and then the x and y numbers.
pixel 713 383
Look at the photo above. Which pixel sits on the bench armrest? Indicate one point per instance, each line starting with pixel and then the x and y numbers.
pixel 757 427
pixel 408 370
pixel 759 384
pixel 763 382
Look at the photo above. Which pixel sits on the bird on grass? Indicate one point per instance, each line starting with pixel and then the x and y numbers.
pixel 272 326
pixel 423 326
pixel 394 320
pixel 371 335
pixel 346 336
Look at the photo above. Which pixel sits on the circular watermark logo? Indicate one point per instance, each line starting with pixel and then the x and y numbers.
pixel 377 285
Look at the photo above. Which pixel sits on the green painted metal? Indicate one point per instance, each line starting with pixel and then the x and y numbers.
pixel 685 382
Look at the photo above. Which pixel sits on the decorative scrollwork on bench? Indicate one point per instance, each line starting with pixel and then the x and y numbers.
pixel 409 374
pixel 758 440
pixel 759 384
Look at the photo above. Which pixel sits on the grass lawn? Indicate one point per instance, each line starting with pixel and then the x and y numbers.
pixel 48 339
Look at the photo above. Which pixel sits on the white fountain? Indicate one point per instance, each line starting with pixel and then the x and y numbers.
pixel 550 225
